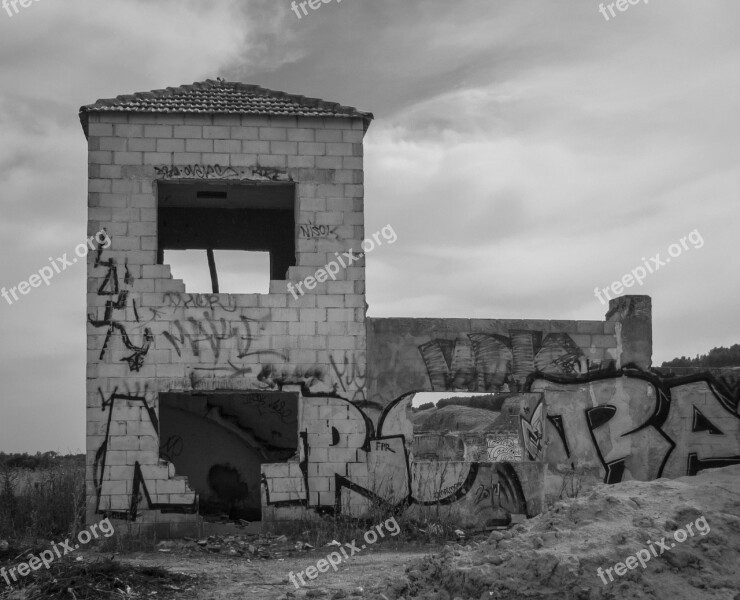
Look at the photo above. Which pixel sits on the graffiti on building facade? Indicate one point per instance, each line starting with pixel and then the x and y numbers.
pixel 485 362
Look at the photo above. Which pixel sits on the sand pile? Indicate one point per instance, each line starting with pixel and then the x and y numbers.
pixel 556 555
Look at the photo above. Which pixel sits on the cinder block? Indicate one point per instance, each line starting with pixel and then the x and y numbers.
pixel 335 301
pixel 245 133
pixel 340 314
pixel 328 135
pixel 284 147
pixel 354 191
pixel 284 314
pixel 100 129
pixel 353 136
pixel 272 161
pixel 186 158
pixel 301 135
pixel 273 301
pixel 199 145
pixel 255 147
pixel 156 158
pixel 313 314
pixel 117 144
pixel 340 287
pixel 100 157
pixel 129 130
pixel 315 148
pixel 243 160
pixel 301 162
pixel 158 131
pixel 216 132
pixel 170 145
pixel 123 442
pixel 352 162
pixel 273 133
pixel 227 146
pixel 188 131
pixel 339 149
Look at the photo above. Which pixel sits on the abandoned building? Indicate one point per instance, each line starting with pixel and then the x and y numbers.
pixel 275 405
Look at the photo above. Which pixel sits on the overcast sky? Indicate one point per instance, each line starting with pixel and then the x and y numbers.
pixel 524 151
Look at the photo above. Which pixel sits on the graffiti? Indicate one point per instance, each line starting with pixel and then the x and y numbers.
pixel 213 332
pixel 265 174
pixel 487 362
pixel 276 405
pixel 347 466
pixel 172 448
pixel 209 301
pixel 636 425
pixel 130 453
pixel 532 431
pixel 196 172
pixel 503 448
pixel 348 374
pixel 483 492
pixel 318 231
pixel 110 287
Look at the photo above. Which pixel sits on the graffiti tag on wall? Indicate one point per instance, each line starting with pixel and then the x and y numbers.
pixel 639 426
pixel 484 362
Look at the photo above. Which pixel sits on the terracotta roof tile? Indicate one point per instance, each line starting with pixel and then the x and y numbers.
pixel 222 97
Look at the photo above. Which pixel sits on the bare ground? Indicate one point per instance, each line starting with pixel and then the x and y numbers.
pixel 221 577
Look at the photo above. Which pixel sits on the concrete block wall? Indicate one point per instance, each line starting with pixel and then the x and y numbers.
pixel 492 355
pixel 147 334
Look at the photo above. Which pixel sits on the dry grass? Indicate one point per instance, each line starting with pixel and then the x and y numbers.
pixel 42 505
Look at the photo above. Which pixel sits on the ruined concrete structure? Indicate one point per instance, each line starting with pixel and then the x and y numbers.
pixel 276 405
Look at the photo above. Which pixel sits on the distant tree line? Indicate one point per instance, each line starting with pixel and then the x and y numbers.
pixel 717 357
pixel 39 461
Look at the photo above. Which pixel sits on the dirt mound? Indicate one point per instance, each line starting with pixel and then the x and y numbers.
pixel 556 555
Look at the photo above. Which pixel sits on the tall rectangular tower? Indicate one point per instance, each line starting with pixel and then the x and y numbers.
pixel 190 390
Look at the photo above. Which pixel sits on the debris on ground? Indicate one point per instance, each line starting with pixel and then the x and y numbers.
pixel 102 578
pixel 556 555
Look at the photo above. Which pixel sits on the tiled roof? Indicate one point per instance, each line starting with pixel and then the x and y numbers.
pixel 222 97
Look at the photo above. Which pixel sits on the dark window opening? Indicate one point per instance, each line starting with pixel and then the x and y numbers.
pixel 220 440
pixel 209 220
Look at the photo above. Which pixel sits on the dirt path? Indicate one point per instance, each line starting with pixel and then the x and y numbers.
pixel 225 578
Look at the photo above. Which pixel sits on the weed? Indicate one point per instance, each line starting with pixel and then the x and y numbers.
pixel 42 505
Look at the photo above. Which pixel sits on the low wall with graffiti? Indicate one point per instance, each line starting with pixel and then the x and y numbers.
pixel 348 466
pixel 497 355
pixel 632 425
